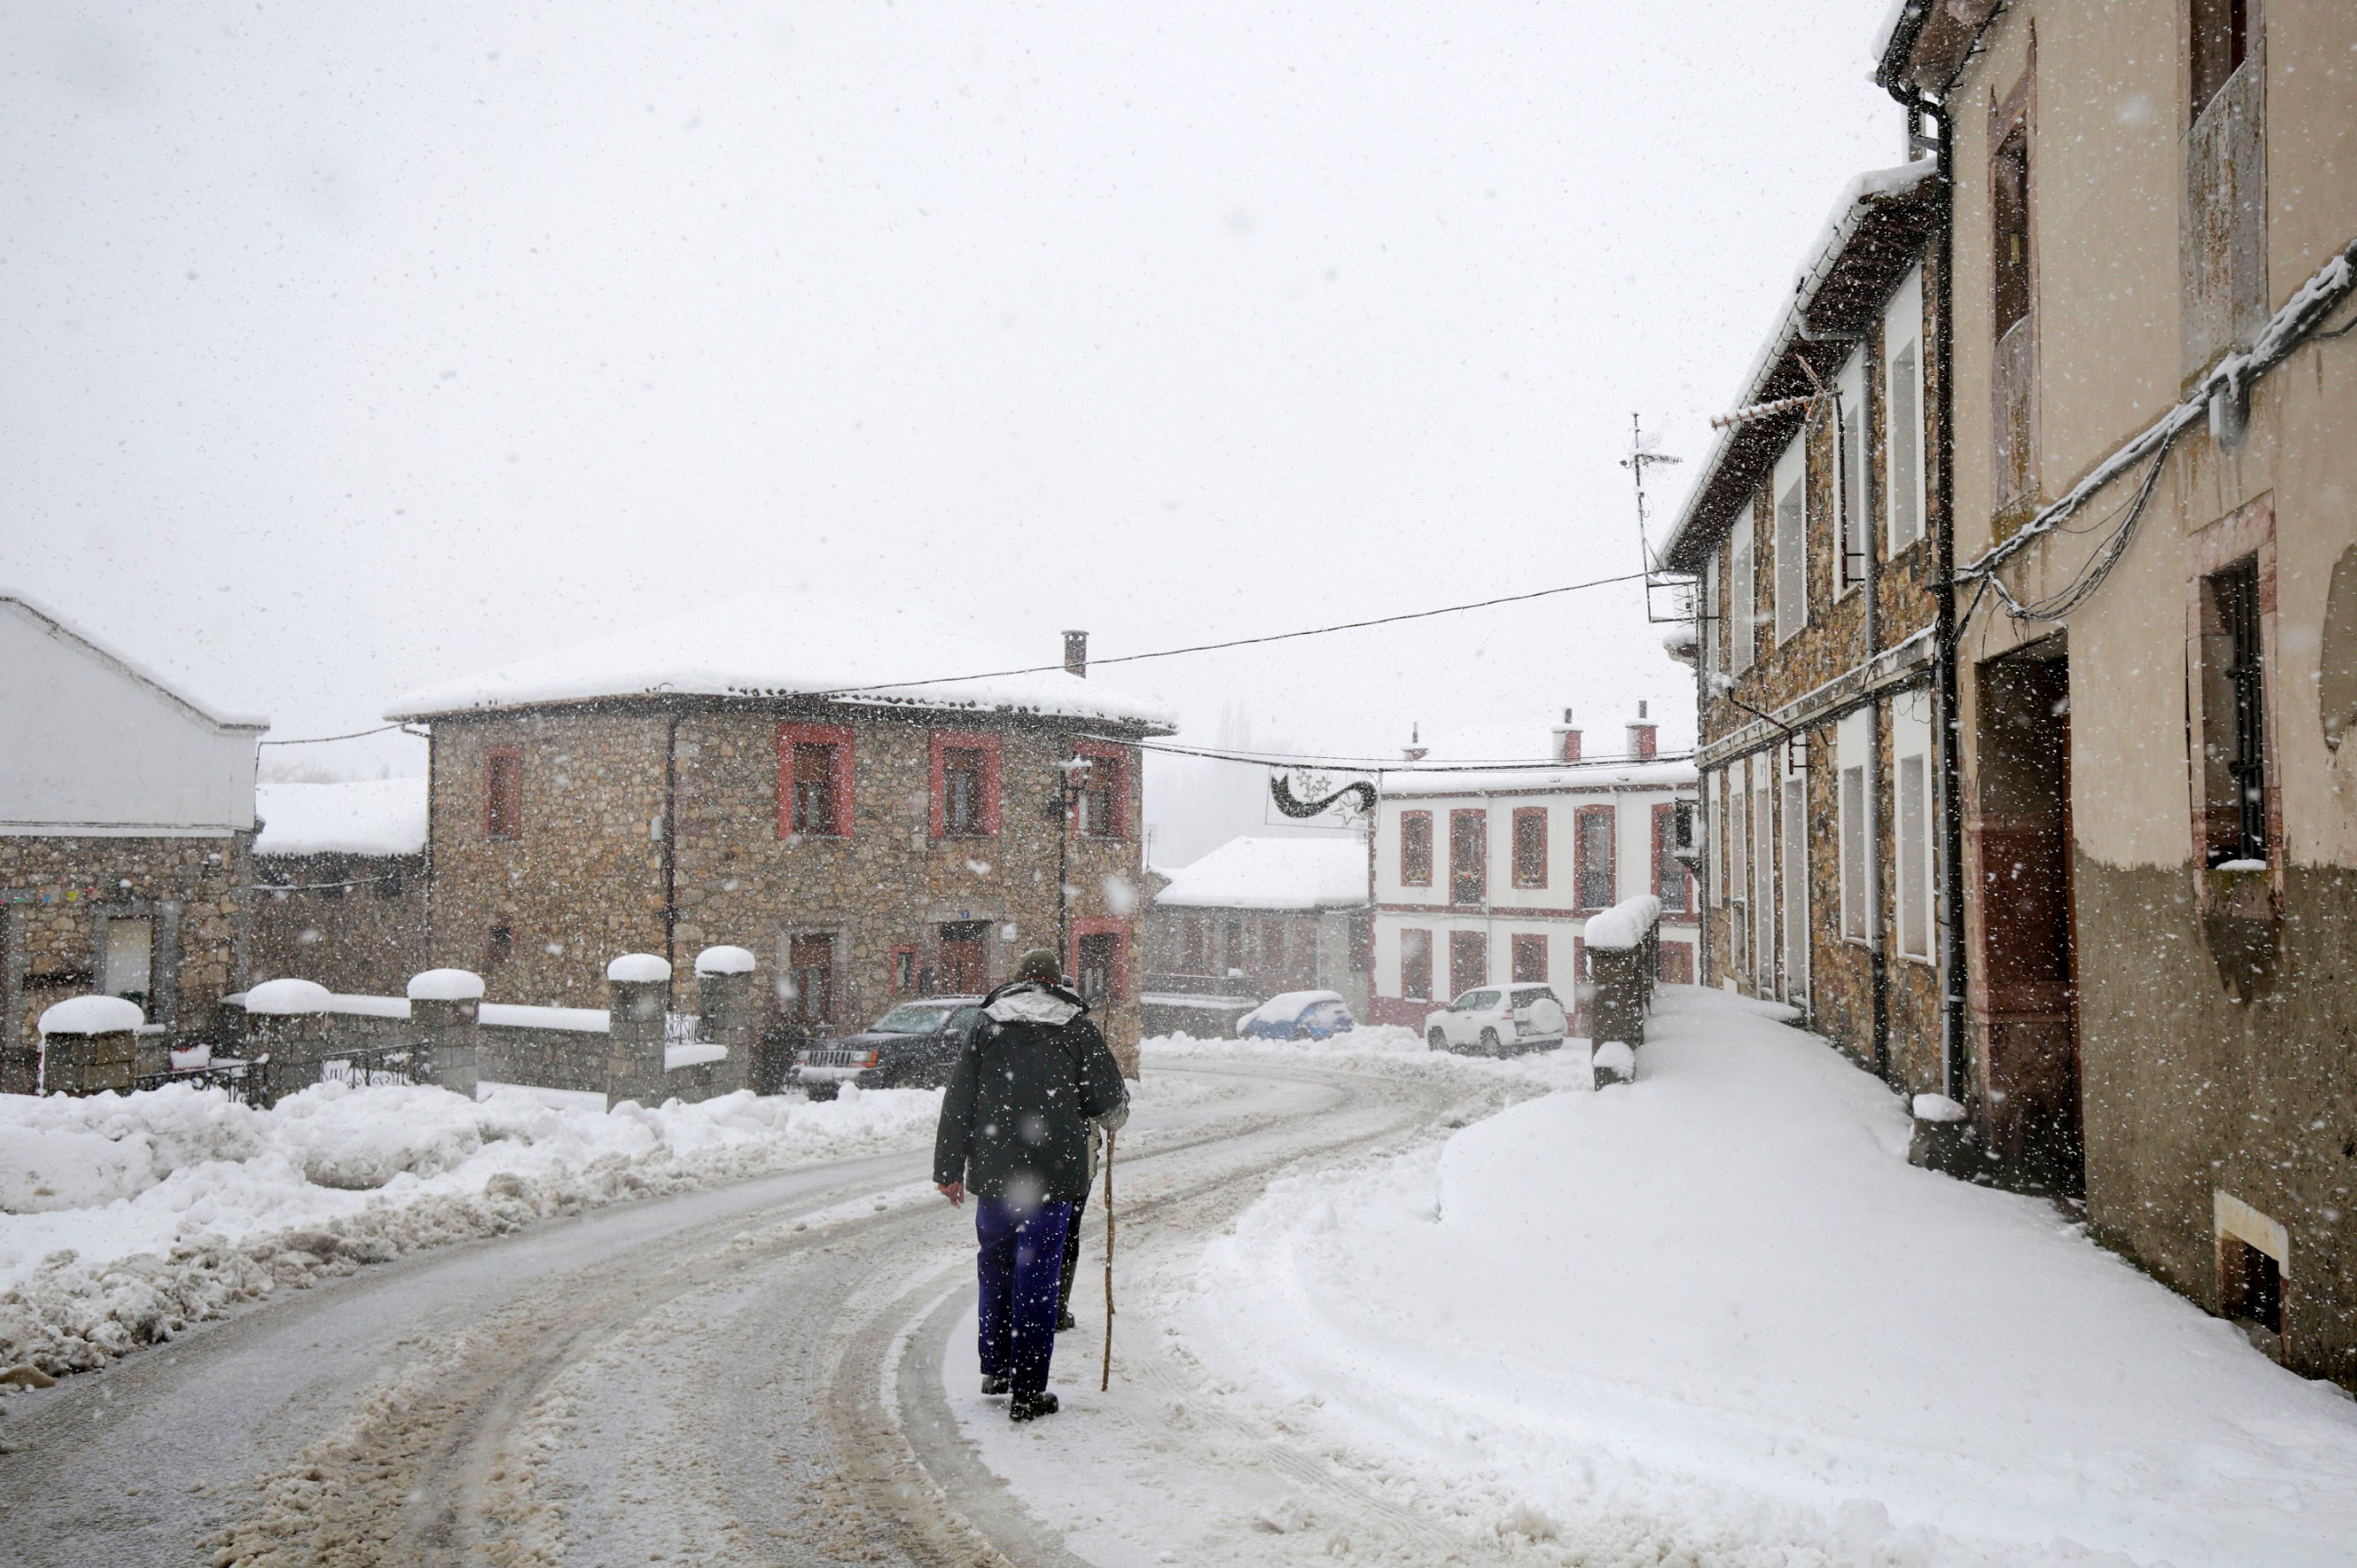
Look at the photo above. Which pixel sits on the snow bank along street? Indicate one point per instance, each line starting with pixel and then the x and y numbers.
pixel 1714 1316
pixel 124 1218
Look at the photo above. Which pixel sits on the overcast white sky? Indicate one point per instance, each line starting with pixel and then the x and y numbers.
pixel 349 347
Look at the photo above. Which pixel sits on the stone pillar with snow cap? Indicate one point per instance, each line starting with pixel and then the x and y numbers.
pixel 446 1017
pixel 286 1026
pixel 724 1004
pixel 90 1045
pixel 1619 949
pixel 639 988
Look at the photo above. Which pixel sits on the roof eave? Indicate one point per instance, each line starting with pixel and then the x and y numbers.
pixel 1832 306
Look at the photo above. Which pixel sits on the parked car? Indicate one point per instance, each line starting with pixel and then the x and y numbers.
pixel 912 1047
pixel 1499 1020
pixel 1297 1015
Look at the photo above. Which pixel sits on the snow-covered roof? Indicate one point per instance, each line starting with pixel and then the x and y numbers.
pixel 1612 773
pixel 1273 874
pixel 851 650
pixel 1474 746
pixel 1863 249
pixel 58 626
pixel 366 816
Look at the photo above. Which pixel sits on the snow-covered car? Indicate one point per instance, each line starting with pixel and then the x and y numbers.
pixel 912 1047
pixel 1297 1015
pixel 1499 1020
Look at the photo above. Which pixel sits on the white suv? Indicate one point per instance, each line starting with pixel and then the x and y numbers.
pixel 1499 1020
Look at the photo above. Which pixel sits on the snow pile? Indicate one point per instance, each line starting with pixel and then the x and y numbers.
pixel 92 1015
pixel 369 816
pixel 1386 1051
pixel 1284 1007
pixel 286 998
pixel 446 985
pixel 1624 924
pixel 1716 1315
pixel 124 1218
pixel 724 960
pixel 638 969
pixel 1272 874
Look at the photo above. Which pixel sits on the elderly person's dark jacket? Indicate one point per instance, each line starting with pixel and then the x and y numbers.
pixel 1035 1072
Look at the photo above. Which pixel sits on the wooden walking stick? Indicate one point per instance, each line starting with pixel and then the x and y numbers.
pixel 1105 1380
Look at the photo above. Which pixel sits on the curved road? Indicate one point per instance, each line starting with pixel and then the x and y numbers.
pixel 744 1375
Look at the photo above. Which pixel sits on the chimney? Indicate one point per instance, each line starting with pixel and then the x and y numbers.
pixel 1076 654
pixel 1567 740
pixel 1642 741
pixel 1415 749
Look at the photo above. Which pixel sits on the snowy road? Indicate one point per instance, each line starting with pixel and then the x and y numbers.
pixel 750 1374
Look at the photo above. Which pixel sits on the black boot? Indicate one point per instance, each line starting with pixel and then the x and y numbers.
pixel 994 1382
pixel 1064 1319
pixel 1031 1407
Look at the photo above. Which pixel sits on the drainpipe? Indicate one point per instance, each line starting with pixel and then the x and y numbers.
pixel 1953 952
pixel 670 855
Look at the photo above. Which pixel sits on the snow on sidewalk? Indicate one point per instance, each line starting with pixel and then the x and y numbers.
pixel 124 1218
pixel 1716 1312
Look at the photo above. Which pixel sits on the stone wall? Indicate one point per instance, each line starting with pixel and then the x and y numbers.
pixel 586 874
pixel 56 895
pixel 1834 641
pixel 356 924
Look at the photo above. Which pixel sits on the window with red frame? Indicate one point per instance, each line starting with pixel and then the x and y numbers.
pixel 503 794
pixel 1469 856
pixel 1100 960
pixel 813 789
pixel 1671 881
pixel 811 962
pixel 1530 958
pixel 1593 848
pixel 1415 964
pixel 1103 794
pixel 815 781
pixel 1415 849
pixel 1531 846
pixel 962 792
pixel 965 784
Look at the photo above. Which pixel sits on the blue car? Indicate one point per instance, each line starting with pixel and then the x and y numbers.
pixel 1296 1016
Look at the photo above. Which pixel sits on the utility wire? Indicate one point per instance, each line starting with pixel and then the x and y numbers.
pixel 1239 641
pixel 1373 765
pixel 355 735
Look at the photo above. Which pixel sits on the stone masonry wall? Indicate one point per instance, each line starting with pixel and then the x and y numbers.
pixel 1833 642
pixel 584 881
pixel 366 939
pixel 55 891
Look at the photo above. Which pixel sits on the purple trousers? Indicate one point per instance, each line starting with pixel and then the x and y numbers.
pixel 1021 1264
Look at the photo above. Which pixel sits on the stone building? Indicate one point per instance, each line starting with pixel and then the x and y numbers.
pixel 1490 876
pixel 809 779
pixel 1814 538
pixel 1254 917
pixel 2154 244
pixel 127 825
pixel 339 872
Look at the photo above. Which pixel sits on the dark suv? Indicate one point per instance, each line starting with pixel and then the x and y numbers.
pixel 912 1047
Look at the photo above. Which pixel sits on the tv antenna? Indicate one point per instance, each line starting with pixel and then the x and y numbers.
pixel 1643 452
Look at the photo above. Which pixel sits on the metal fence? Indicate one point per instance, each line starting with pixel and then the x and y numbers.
pixel 247 1082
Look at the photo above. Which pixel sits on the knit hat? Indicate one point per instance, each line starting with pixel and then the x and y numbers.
pixel 1039 965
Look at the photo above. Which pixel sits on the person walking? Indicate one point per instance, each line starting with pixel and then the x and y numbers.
pixel 1034 1075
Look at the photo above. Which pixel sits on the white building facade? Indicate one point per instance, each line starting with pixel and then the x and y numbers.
pixel 1485 878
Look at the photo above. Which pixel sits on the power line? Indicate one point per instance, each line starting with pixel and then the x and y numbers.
pixel 355 735
pixel 1241 642
pixel 1126 658
pixel 1373 765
